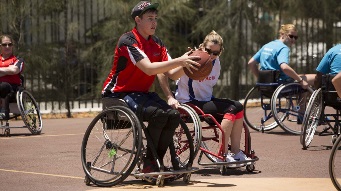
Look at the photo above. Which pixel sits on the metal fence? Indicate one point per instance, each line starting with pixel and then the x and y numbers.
pixel 59 37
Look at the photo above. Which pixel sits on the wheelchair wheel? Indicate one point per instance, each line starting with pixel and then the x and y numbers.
pixel 335 164
pixel 288 105
pixel 210 141
pixel 311 118
pixel 192 121
pixel 111 146
pixel 257 109
pixel 29 111
pixel 180 154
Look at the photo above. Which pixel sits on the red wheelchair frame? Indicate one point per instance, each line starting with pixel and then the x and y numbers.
pixel 210 124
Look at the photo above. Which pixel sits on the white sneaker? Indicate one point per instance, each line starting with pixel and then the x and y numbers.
pixel 229 158
pixel 241 157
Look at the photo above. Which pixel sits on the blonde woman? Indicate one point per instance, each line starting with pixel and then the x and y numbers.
pixel 200 93
pixel 275 56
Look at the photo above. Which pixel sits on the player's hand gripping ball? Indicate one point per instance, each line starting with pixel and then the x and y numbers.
pixel 205 66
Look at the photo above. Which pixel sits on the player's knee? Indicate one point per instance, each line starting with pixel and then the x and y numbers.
pixel 239 107
pixel 159 116
pixel 173 119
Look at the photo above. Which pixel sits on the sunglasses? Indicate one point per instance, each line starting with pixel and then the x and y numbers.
pixel 5 45
pixel 293 36
pixel 209 51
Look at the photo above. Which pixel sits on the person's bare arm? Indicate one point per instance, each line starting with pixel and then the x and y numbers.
pixel 10 70
pixel 253 66
pixel 291 73
pixel 337 83
pixel 160 67
pixel 163 81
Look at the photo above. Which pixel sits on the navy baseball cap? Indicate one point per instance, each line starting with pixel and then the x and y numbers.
pixel 141 7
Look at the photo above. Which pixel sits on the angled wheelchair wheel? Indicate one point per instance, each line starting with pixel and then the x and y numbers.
pixel 335 164
pixel 111 146
pixel 288 105
pixel 257 110
pixel 181 150
pixel 29 111
pixel 192 121
pixel 311 118
pixel 210 141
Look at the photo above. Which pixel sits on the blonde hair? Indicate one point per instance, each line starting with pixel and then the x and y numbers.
pixel 285 29
pixel 215 38
pixel 6 36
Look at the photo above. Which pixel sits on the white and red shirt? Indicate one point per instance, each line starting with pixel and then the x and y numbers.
pixel 125 76
pixel 201 90
pixel 12 60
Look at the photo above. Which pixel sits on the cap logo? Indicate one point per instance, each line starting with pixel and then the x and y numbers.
pixel 143 5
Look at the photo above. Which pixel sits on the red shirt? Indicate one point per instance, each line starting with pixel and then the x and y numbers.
pixel 12 60
pixel 125 76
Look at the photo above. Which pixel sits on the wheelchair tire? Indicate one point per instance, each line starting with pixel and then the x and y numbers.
pixel 29 111
pixel 180 154
pixel 192 121
pixel 286 103
pixel 334 165
pixel 111 146
pixel 257 108
pixel 311 118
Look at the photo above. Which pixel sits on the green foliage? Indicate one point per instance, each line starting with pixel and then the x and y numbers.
pixel 49 36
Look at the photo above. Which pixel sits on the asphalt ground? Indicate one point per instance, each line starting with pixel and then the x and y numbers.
pixel 51 161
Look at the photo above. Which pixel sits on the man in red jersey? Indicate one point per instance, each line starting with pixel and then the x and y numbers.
pixel 10 67
pixel 139 56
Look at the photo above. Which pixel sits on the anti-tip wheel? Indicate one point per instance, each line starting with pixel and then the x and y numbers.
pixel 7 132
pixel 87 181
pixel 160 181
pixel 250 168
pixel 223 170
pixel 187 178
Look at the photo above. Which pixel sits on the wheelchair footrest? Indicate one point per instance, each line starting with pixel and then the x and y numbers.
pixel 165 173
pixel 247 162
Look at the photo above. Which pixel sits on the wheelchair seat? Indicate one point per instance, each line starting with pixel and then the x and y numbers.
pixel 329 93
pixel 268 81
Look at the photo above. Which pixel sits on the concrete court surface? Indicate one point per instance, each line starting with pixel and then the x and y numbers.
pixel 51 161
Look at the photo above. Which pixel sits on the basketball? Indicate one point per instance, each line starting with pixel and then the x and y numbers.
pixel 205 66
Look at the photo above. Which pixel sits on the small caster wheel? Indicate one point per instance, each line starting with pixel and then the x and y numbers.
pixel 160 181
pixel 7 132
pixel 187 178
pixel 334 137
pixel 250 168
pixel 223 170
pixel 87 181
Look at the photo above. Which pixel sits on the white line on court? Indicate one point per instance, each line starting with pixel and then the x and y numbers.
pixel 43 174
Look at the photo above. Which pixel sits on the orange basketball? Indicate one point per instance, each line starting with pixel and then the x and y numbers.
pixel 205 66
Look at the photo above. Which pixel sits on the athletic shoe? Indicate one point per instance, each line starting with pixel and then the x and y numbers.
pixel 241 157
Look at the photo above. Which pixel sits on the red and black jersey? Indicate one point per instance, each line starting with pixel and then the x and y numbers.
pixel 12 60
pixel 125 76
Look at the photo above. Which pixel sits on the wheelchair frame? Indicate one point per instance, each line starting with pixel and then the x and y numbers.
pixel 316 115
pixel 25 107
pixel 277 104
pixel 115 143
pixel 210 147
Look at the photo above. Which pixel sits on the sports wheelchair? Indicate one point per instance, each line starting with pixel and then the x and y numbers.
pixel 271 103
pixel 205 129
pixel 115 143
pixel 21 104
pixel 324 107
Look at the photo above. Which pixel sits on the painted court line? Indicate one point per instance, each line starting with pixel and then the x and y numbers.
pixel 43 174
pixel 39 136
